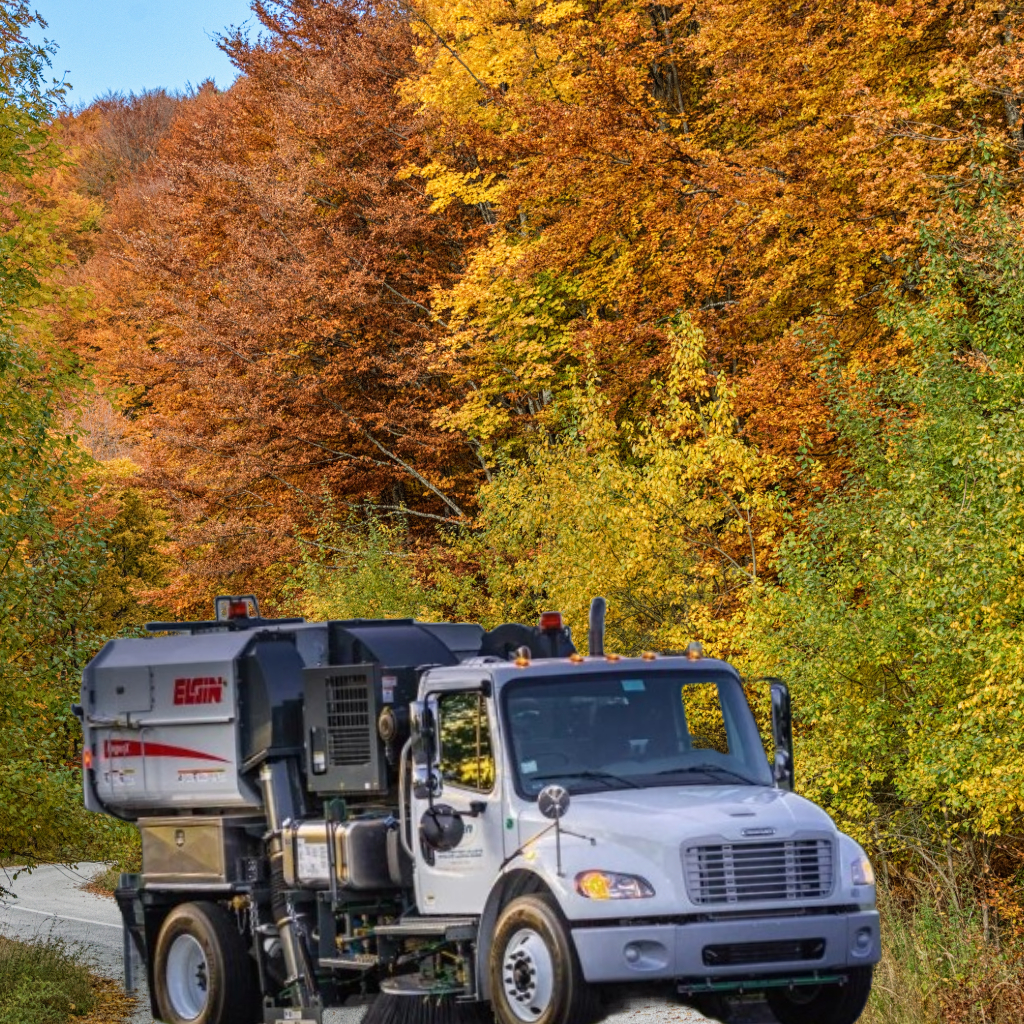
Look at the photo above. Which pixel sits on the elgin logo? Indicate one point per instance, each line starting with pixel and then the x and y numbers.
pixel 202 690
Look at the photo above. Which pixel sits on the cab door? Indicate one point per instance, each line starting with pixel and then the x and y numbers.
pixel 458 881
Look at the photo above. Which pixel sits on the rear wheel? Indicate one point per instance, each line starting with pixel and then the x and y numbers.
pixel 823 1004
pixel 535 973
pixel 202 972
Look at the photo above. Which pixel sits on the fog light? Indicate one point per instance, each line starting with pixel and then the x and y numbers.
pixel 646 955
pixel 862 942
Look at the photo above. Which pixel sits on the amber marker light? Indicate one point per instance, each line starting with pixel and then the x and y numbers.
pixel 613 657
pixel 694 651
pixel 594 885
pixel 522 657
pixel 648 656
pixel 86 759
pixel 576 658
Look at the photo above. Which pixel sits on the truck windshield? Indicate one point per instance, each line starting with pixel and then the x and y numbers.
pixel 605 731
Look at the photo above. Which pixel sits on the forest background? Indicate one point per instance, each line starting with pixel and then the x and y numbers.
pixel 475 309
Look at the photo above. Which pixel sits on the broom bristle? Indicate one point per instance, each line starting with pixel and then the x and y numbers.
pixel 391 1009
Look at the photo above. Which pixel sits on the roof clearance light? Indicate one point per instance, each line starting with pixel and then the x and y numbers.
pixel 522 657
pixel 550 621
pixel 244 606
pixel 694 651
pixel 576 658
pixel 613 657
pixel 648 656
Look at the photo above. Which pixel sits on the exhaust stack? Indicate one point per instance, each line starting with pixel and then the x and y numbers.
pixel 598 607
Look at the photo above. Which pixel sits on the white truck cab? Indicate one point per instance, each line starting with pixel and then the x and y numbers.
pixel 490 824
pixel 672 852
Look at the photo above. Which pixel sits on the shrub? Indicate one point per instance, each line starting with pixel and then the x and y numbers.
pixel 43 982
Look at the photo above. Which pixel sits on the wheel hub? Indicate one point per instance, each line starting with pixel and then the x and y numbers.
pixel 187 977
pixel 528 974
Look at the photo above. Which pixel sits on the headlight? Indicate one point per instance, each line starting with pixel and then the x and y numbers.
pixel 606 885
pixel 862 872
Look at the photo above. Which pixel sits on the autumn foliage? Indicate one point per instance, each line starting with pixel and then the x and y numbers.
pixel 475 308
pixel 379 264
pixel 262 296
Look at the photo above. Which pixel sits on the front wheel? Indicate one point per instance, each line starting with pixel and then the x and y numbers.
pixel 823 1004
pixel 202 972
pixel 535 973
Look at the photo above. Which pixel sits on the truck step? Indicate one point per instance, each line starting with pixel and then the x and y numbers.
pixel 416 985
pixel 362 962
pixel 451 928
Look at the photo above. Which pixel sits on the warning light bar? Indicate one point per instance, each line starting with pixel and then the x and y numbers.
pixel 243 607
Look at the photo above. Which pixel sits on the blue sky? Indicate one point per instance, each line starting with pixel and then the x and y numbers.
pixel 131 45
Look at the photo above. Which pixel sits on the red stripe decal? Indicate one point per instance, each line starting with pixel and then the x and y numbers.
pixel 133 748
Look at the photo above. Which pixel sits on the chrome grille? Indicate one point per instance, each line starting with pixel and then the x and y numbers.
pixel 348 720
pixel 796 869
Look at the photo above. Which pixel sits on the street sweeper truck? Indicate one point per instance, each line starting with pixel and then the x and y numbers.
pixel 469 825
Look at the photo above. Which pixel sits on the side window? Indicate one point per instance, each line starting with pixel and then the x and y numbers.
pixel 704 717
pixel 467 758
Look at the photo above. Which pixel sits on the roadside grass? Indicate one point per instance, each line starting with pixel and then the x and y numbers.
pixel 941 964
pixel 106 881
pixel 43 982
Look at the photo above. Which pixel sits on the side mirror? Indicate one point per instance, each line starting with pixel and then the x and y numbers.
pixel 782 733
pixel 423 731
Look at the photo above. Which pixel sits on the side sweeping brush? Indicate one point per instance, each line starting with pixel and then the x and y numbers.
pixel 392 1009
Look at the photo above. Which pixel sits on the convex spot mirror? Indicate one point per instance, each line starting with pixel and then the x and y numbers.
pixel 442 828
pixel 553 802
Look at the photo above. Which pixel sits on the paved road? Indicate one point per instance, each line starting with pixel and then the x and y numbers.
pixel 50 901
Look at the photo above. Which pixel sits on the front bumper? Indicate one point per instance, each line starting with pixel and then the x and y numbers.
pixel 730 948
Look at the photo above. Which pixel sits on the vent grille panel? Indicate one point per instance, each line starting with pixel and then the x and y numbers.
pixel 349 736
pixel 732 873
pixel 734 954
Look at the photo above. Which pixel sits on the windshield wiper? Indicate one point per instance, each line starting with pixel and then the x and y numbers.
pixel 598 775
pixel 707 769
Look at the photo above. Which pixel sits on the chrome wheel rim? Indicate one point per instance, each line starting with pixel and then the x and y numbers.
pixel 528 975
pixel 187 976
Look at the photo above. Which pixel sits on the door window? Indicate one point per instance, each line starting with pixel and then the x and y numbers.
pixel 706 725
pixel 467 757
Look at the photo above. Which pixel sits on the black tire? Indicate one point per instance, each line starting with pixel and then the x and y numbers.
pixel 823 1004
pixel 534 970
pixel 711 1005
pixel 202 971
